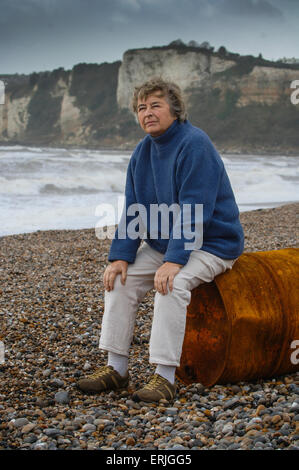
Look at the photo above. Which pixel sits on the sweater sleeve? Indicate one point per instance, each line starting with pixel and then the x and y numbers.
pixel 198 175
pixel 124 247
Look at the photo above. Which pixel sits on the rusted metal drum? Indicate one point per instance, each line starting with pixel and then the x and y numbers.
pixel 240 327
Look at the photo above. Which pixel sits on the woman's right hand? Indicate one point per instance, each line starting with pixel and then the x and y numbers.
pixel 112 270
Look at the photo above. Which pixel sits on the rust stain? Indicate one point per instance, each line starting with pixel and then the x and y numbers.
pixel 240 326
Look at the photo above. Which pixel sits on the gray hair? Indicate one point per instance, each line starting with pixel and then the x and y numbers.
pixel 169 90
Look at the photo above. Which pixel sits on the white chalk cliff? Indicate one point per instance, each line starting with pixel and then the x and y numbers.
pixel 90 105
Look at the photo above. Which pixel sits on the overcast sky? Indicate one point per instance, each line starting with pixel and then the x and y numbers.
pixel 37 35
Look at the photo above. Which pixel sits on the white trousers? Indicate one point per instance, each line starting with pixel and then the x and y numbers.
pixel 169 319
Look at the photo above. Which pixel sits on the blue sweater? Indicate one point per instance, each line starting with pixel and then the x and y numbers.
pixel 180 167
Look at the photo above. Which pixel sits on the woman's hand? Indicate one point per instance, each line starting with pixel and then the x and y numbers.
pixel 112 270
pixel 166 274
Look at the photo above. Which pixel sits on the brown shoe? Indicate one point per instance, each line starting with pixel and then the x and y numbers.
pixel 103 379
pixel 155 390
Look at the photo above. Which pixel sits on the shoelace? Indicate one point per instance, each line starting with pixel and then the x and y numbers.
pixel 154 382
pixel 100 372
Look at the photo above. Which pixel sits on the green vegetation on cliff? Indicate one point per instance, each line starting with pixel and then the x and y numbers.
pixel 94 87
pixel 255 126
pixel 44 107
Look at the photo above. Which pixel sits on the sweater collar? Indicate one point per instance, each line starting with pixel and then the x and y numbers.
pixel 167 136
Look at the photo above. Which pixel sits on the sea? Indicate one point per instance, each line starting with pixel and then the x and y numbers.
pixel 56 188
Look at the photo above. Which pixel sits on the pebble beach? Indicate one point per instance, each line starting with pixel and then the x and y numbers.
pixel 51 305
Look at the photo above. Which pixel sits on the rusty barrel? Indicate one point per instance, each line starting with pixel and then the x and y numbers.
pixel 241 326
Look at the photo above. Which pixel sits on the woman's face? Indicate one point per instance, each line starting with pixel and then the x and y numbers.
pixel 154 114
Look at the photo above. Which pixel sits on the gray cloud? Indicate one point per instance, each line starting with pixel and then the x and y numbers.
pixel 251 8
pixel 46 34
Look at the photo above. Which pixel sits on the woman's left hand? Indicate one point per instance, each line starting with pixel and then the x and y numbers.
pixel 166 274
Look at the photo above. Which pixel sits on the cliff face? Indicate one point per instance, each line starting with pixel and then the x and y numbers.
pixel 71 108
pixel 190 69
pixel 198 69
pixel 265 85
pixel 243 103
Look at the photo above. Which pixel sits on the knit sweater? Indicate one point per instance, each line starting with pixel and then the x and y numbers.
pixel 180 167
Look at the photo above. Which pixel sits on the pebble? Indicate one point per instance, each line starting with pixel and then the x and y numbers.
pixel 231 403
pixel 275 419
pixel 28 427
pixel 62 397
pixel 171 411
pixel 20 422
pixel 177 447
pixel 40 446
pixel 259 409
pixel 46 373
pixel 294 388
pixel 130 441
pixel 294 406
pixel 227 428
pixel 56 383
pixel 52 432
pixel 89 427
pixel 51 329
pixel 30 439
